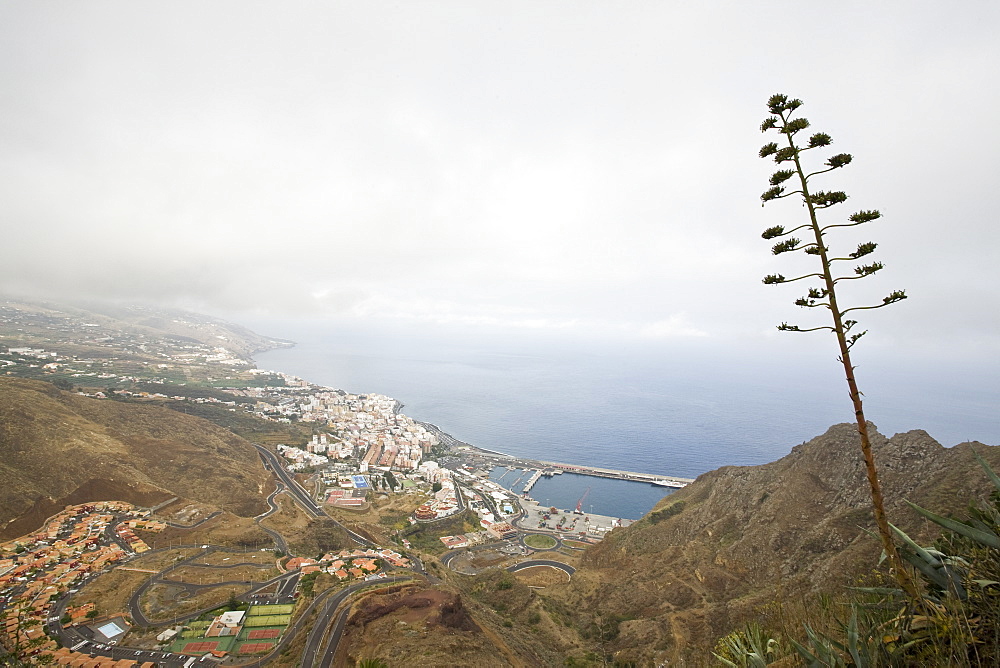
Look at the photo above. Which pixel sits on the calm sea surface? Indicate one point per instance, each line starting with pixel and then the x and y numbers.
pixel 678 411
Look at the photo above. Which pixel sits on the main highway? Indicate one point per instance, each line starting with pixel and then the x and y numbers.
pixel 316 648
pixel 273 463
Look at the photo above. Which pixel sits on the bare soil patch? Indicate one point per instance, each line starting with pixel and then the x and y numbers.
pixel 228 558
pixel 225 529
pixel 111 591
pixel 487 558
pixel 207 575
pixel 418 626
pixel 542 576
pixel 157 561
pixel 166 601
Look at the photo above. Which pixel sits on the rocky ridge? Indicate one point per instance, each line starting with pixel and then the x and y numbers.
pixel 58 447
pixel 741 539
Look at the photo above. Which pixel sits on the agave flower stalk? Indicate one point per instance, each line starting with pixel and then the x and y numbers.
pixel 823 293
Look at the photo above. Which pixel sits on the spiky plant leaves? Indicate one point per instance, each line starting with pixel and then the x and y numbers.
pixel 853 644
pixel 994 478
pixel 987 538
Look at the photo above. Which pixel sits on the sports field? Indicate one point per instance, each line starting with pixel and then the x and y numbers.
pixel 256 610
pixel 268 620
pixel 255 648
pixel 200 646
pixel 263 634
pixel 203 645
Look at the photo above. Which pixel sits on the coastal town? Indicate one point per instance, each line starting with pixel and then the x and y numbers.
pixel 358 452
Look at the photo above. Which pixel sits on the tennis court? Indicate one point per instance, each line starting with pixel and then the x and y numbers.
pixel 255 647
pixel 263 634
pixel 200 646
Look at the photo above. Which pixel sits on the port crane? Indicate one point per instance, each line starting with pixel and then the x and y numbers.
pixel 579 504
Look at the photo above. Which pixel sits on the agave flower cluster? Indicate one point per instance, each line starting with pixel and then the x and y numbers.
pixel 790 158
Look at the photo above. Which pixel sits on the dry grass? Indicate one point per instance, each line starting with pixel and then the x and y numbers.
pixel 224 530
pixel 290 521
pixel 201 574
pixel 166 601
pixel 160 560
pixel 227 558
pixel 110 592
pixel 542 576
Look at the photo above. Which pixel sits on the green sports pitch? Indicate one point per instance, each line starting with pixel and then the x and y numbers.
pixel 268 620
pixel 258 610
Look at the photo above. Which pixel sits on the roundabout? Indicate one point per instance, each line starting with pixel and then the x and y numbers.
pixel 539 541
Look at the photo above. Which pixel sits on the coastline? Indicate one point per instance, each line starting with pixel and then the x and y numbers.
pixel 452 442
pixel 485 460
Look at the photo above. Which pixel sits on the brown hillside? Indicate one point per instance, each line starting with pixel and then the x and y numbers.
pixel 57 447
pixel 709 556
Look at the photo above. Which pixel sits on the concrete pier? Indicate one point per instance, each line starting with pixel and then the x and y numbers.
pixel 531 482
pixel 653 478
pixel 544 468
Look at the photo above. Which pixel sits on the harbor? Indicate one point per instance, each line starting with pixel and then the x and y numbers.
pixel 541 468
pixel 569 490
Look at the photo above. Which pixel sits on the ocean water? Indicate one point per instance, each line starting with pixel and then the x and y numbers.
pixel 677 410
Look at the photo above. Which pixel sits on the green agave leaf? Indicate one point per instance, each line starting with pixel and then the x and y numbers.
pixel 852 641
pixel 989 471
pixel 725 662
pixel 921 552
pixel 987 538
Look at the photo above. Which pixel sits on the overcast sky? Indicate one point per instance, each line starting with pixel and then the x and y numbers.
pixel 583 166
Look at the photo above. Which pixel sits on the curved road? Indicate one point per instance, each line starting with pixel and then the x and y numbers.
pixel 135 610
pixel 273 464
pixel 279 541
pixel 315 647
pixel 566 568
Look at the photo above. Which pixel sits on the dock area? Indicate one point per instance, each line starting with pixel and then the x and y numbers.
pixel 544 468
pixel 653 478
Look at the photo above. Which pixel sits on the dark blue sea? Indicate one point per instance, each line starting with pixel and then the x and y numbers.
pixel 679 409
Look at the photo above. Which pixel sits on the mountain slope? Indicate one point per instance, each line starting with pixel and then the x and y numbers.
pixel 56 446
pixel 740 538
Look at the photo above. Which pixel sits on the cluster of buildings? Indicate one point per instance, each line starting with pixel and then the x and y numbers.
pixel 35 570
pixel 126 533
pixel 357 563
pixel 322 445
pixel 368 425
pixel 442 504
pixel 493 531
pixel 300 459
pixel 161 356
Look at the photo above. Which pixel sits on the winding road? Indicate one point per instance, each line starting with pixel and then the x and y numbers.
pixel 135 609
pixel 273 463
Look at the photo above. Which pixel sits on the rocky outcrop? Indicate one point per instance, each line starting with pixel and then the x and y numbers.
pixel 739 538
